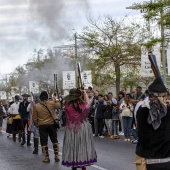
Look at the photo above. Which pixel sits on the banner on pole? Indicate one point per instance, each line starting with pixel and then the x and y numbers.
pixel 86 79
pixel 146 70
pixel 69 80
pixel 168 59
pixel 33 87
pixel 3 95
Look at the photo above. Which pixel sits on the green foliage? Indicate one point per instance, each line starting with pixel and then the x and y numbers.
pixel 155 11
pixel 132 79
pixel 114 43
pixel 150 43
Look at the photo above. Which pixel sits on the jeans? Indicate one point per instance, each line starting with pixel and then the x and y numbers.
pixel 135 133
pixel 109 125
pixel 35 131
pixel 121 122
pixel 115 127
pixel 127 123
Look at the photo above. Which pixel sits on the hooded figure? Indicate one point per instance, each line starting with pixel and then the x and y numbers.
pixel 153 117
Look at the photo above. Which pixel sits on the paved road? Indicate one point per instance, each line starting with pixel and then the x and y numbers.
pixel 112 155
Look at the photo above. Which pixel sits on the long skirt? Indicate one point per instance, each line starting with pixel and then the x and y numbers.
pixel 78 146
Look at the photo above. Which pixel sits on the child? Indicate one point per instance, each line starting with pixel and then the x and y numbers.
pixel 115 118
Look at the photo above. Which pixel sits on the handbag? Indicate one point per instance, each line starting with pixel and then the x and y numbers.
pixel 126 112
pixel 56 121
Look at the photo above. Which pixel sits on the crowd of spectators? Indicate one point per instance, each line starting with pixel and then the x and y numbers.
pixel 113 117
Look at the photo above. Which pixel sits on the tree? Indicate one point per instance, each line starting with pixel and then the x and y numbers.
pixel 157 11
pixel 115 43
pixel 20 75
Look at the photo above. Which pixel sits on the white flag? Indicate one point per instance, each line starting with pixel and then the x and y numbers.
pixel 69 80
pixel 3 95
pixel 86 79
pixel 33 87
pixel 168 59
pixel 146 70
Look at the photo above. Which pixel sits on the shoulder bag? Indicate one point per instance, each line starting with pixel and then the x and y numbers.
pixel 56 121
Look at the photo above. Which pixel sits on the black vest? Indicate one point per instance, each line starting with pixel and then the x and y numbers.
pixel 153 143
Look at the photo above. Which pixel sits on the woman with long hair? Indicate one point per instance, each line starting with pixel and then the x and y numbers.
pixel 78 144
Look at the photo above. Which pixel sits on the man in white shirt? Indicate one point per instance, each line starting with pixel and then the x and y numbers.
pixel 17 125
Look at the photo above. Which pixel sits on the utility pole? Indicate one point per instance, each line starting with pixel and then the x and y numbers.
pixel 163 47
pixel 75 39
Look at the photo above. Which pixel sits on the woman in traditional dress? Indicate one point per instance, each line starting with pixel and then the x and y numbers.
pixel 78 144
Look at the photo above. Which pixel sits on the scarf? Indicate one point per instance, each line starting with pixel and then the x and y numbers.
pixel 157 111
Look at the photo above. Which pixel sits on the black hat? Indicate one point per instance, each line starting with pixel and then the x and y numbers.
pixel 43 95
pixel 73 94
pixel 157 86
pixel 25 95
pixel 17 97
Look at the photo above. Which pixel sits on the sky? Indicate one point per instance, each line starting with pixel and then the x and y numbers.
pixel 26 25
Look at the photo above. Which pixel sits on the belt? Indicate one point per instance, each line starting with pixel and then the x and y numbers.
pixel 156 161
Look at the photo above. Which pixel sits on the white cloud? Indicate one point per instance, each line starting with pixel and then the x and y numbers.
pixel 24 28
pixel 13 37
pixel 14 7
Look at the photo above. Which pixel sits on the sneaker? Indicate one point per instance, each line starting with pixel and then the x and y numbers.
pixel 135 141
pixel 101 136
pixel 116 137
pixel 111 137
pixel 128 140
pixel 121 133
pixel 108 136
pixel 125 140
pixel 95 135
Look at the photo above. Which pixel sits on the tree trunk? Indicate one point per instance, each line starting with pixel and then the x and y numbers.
pixel 117 70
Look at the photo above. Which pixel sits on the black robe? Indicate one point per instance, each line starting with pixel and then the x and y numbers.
pixel 153 144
